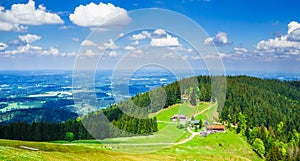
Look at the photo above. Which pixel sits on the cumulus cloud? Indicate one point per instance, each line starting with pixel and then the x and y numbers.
pixel 26 14
pixel 110 45
pixel 146 33
pixel 240 50
pixel 288 44
pixel 141 36
pixel 88 43
pixel 3 46
pixel 138 37
pixel 121 34
pixel 219 39
pixel 294 35
pixel 165 41
pixel 293 26
pixel 29 38
pixel 6 26
pixel 113 54
pixel 99 15
pixel 34 50
pixel 89 53
pixel 135 42
pixel 52 51
pixel 129 48
pixel 279 45
pixel 160 32
pixel 26 49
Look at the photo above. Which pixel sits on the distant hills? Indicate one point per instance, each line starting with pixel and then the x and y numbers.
pixel 36 115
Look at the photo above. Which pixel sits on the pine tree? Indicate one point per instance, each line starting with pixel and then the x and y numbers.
pixel 200 123
pixel 155 126
pixel 193 100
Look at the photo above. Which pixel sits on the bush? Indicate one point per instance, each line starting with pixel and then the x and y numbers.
pixel 69 136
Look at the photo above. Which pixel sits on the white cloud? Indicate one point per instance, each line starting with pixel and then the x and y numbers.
pixel 166 41
pixel 110 45
pixel 141 36
pixel 208 41
pixel 293 26
pixel 160 32
pixel 219 39
pixel 135 42
pixel 33 50
pixel 75 39
pixel 26 49
pixel 3 46
pixel 294 35
pixel 26 14
pixel 52 51
pixel 66 27
pixel 129 48
pixel 121 34
pixel 88 43
pixel 279 45
pixel 93 15
pixel 240 50
pixel 89 53
pixel 215 56
pixel 113 54
pixel 29 49
pixel 146 33
pixel 138 37
pixel 288 44
pixel 29 38
pixel 6 26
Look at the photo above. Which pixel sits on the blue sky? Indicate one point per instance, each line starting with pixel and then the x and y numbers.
pixel 250 35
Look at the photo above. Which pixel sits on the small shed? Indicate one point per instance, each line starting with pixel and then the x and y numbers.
pixel 178 116
pixel 195 122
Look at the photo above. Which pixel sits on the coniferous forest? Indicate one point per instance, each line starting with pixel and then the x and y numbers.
pixel 264 112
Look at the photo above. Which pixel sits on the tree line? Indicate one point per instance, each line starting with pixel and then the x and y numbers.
pixel 45 131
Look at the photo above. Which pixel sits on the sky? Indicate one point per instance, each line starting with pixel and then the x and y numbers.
pixel 255 36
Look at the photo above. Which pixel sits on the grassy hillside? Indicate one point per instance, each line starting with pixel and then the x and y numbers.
pixel 159 146
pixel 226 146
pixel 185 108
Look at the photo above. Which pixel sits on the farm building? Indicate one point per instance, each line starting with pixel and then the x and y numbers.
pixel 178 116
pixel 195 122
pixel 215 128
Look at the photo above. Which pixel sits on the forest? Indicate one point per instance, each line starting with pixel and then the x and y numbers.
pixel 266 113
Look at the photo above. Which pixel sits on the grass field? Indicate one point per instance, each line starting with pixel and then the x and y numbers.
pixel 208 114
pixel 227 146
pixel 185 108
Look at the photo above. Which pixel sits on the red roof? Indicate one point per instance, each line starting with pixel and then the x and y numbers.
pixel 215 127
